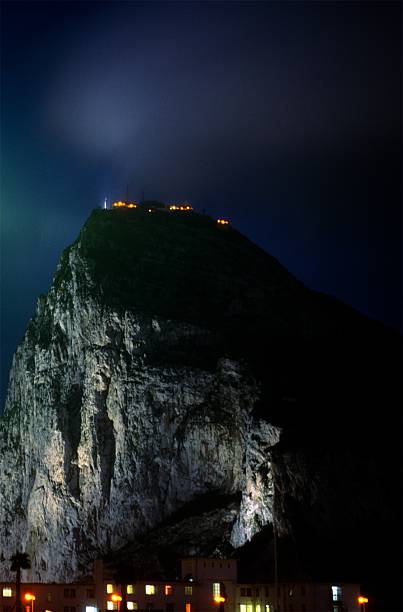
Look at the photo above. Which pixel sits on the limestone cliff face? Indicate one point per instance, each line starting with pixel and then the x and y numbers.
pixel 100 445
pixel 179 391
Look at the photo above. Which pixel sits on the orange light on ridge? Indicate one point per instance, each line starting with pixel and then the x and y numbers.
pixel 183 207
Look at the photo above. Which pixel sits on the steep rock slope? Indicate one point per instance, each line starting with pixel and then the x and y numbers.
pixel 109 426
pixel 175 374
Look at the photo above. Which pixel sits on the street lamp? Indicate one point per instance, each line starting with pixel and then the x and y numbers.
pixel 30 597
pixel 362 601
pixel 220 599
pixel 116 598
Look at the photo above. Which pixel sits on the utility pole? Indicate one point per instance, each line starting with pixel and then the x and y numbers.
pixel 275 566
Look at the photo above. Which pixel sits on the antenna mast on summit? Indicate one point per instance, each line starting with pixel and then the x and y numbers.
pixel 105 207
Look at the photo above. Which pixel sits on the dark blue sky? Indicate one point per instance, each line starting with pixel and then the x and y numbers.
pixel 283 116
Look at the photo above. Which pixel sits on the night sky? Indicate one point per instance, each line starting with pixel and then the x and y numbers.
pixel 283 116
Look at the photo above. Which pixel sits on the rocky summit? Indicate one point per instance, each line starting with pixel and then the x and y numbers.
pixel 177 392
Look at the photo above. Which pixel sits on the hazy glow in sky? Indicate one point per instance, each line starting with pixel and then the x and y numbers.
pixel 283 116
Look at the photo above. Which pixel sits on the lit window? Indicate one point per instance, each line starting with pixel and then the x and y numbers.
pixel 188 607
pixel 109 588
pixel 249 608
pixel 150 589
pixel 110 605
pixel 7 592
pixel 130 589
pixel 336 593
pixel 132 605
pixel 188 590
pixel 168 589
pixel 258 608
pixel 216 588
pixel 290 592
pixel 268 608
pixel 90 609
pixel 242 607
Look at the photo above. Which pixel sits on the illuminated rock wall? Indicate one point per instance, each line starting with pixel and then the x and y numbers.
pixel 177 391
pixel 99 445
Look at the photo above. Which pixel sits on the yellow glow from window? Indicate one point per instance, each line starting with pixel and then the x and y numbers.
pixel 188 607
pixel 242 608
pixel 150 589
pixel 132 605
pixel 188 590
pixel 216 588
pixel 168 589
pixel 109 588
pixel 7 592
pixel 257 608
pixel 110 605
pixel 130 589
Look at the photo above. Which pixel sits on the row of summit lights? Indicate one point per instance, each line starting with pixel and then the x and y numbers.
pixel 185 207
